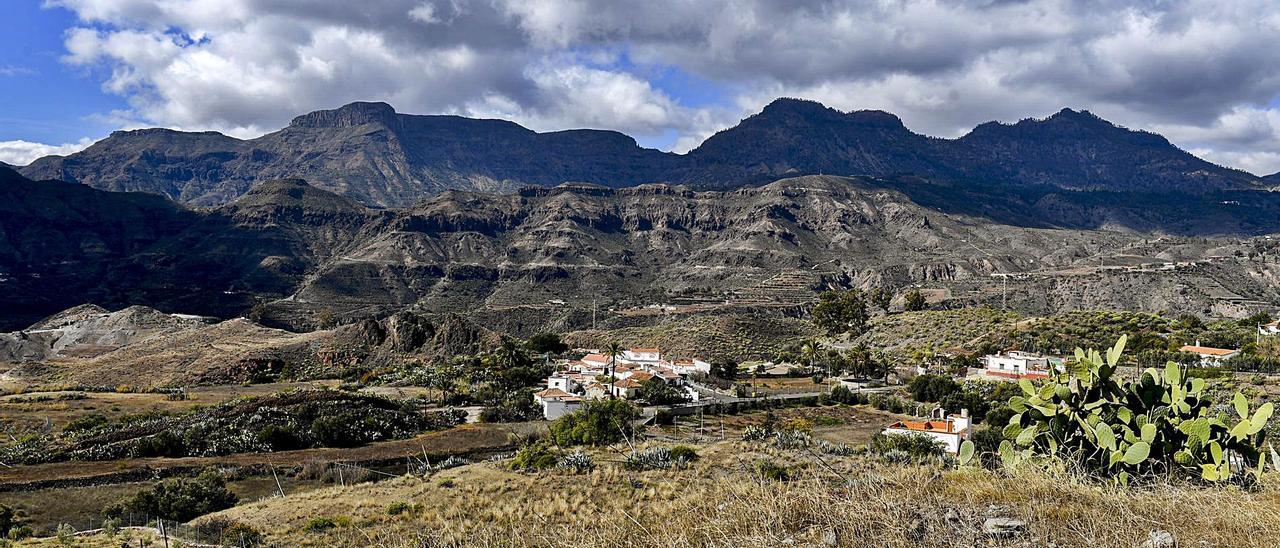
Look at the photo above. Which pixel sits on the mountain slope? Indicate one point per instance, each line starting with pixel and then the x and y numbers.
pixel 363 150
pixel 1076 150
pixel 370 153
pixel 301 249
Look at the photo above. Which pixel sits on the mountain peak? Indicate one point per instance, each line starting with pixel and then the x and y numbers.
pixel 350 115
pixel 791 105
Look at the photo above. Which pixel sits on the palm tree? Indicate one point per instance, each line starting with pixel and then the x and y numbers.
pixel 613 351
pixel 809 351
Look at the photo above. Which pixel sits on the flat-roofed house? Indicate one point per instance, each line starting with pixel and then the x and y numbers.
pixel 1016 364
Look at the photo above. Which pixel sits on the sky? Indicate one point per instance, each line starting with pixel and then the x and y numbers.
pixel 1204 73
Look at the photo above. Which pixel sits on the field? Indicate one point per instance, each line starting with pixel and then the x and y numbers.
pixel 721 500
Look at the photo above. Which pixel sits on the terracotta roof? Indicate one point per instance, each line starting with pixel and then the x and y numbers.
pixel 645 350
pixel 683 361
pixel 641 376
pixel 595 358
pixel 627 383
pixel 553 393
pixel 943 427
pixel 1207 350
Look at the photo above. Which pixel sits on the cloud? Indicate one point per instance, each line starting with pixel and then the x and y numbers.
pixel 12 70
pixel 1205 71
pixel 21 153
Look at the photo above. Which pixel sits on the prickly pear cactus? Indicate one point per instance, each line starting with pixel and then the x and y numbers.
pixel 1125 429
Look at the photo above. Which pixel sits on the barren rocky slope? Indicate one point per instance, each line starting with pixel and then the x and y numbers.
pixel 143 348
pixel 563 250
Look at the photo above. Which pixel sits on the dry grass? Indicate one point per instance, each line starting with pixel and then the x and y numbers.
pixel 722 502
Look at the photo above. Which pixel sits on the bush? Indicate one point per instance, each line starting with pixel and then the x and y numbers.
pixel 932 388
pixel 320 525
pixel 281 437
pixel 8 520
pixel 535 456
pixel 238 534
pixel 85 423
pixel 178 499
pixel 397 508
pixel 599 422
pixel 914 447
pixel 684 453
pixel 772 471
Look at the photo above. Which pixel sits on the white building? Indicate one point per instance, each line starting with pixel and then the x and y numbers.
pixel 557 403
pixel 1210 356
pixel 689 366
pixel 1016 364
pixel 643 356
pixel 1266 330
pixel 950 430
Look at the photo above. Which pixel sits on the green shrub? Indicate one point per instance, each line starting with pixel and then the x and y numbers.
pixel 913 447
pixel 85 423
pixel 320 525
pixel 281 437
pixel 769 470
pixel 178 499
pixel 599 422
pixel 8 520
pixel 238 534
pixel 535 456
pixel 684 453
pixel 397 508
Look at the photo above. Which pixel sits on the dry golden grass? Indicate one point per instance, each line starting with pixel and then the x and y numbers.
pixel 721 501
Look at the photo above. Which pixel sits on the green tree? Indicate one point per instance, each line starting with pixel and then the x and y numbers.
pixel 178 499
pixel 914 301
pixel 599 422
pixel 839 312
pixel 546 343
pixel 881 297
pixel 724 369
pixel 325 318
pixel 655 391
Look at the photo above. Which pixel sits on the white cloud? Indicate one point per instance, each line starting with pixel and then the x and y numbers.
pixel 1203 71
pixel 21 153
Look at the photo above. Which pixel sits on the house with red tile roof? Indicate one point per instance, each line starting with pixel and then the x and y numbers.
pixel 949 430
pixel 1209 356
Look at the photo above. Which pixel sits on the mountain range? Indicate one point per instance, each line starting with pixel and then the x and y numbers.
pixel 376 156
pixel 546 258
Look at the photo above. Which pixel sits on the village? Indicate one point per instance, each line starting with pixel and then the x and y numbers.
pixel 623 372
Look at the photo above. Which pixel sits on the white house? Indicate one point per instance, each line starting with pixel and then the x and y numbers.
pixel 643 356
pixel 1016 364
pixel 1210 356
pixel 950 430
pixel 562 382
pixel 557 403
pixel 1267 330
pixel 689 366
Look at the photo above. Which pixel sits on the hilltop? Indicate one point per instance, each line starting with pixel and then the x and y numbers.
pixel 379 157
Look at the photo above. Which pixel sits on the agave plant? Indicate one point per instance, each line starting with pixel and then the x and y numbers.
pixel 1162 421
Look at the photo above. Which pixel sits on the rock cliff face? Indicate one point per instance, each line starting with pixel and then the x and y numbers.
pixel 300 249
pixel 370 153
